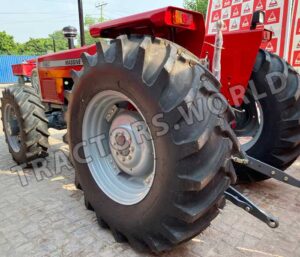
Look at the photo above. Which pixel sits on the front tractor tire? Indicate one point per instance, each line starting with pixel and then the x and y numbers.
pixel 24 124
pixel 272 116
pixel 166 189
pixel 35 83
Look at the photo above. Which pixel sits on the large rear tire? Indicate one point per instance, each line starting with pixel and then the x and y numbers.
pixel 192 167
pixel 276 140
pixel 24 124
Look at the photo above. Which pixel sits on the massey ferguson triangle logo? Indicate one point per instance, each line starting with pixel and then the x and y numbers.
pixel 217 5
pixel 225 14
pixel 298 45
pixel 236 12
pixel 273 3
pixel 245 23
pixel 247 9
pixel 216 17
pixel 259 6
pixel 270 47
pixel 234 25
pixel 227 3
pixel 272 18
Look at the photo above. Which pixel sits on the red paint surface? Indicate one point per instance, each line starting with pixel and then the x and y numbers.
pixel 237 57
pixel 237 60
pixel 24 69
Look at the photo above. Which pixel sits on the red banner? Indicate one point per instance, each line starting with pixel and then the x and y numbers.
pixel 237 15
pixel 294 48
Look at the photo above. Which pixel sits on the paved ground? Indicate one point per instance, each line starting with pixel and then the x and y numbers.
pixel 48 218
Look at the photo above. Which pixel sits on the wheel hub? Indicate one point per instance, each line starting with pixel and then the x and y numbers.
pixel 126 170
pixel 131 157
pixel 250 122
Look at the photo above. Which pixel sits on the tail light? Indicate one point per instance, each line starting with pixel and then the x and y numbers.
pixel 181 18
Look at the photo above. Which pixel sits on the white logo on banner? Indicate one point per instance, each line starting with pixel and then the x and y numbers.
pixel 226 13
pixel 272 18
pixel 259 6
pixel 270 47
pixel 245 23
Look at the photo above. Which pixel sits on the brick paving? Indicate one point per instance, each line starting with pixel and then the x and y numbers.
pixel 48 218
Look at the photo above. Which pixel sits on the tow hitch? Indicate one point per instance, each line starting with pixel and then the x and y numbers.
pixel 243 202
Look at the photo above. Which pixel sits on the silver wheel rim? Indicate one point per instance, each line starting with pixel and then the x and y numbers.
pixel 12 128
pixel 121 162
pixel 248 143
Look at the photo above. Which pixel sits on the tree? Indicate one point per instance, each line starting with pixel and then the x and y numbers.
pixel 61 42
pixel 7 44
pixel 196 5
pixel 37 46
pixel 89 20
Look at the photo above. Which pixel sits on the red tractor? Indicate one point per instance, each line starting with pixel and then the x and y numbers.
pixel 26 71
pixel 155 113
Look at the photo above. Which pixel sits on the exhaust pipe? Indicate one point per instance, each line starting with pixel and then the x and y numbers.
pixel 70 33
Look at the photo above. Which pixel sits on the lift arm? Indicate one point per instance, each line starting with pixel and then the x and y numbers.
pixel 243 202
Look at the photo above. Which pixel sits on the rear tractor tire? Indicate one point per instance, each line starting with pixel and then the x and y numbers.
pixel 166 189
pixel 272 116
pixel 24 124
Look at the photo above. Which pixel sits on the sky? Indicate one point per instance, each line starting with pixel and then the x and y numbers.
pixel 38 18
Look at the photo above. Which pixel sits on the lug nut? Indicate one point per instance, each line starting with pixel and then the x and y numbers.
pixel 129 157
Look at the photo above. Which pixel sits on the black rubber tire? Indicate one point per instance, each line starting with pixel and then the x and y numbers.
pixel 21 80
pixel 32 123
pixel 193 166
pixel 279 142
pixel 35 84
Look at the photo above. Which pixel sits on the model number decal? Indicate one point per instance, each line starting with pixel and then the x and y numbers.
pixel 73 62
pixel 61 63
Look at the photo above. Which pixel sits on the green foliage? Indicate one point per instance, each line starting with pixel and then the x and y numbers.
pixel 34 46
pixel 196 5
pixel 88 21
pixel 7 44
pixel 60 41
pixel 40 46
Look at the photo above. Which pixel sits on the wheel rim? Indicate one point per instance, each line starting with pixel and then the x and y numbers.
pixel 12 128
pixel 250 123
pixel 124 165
